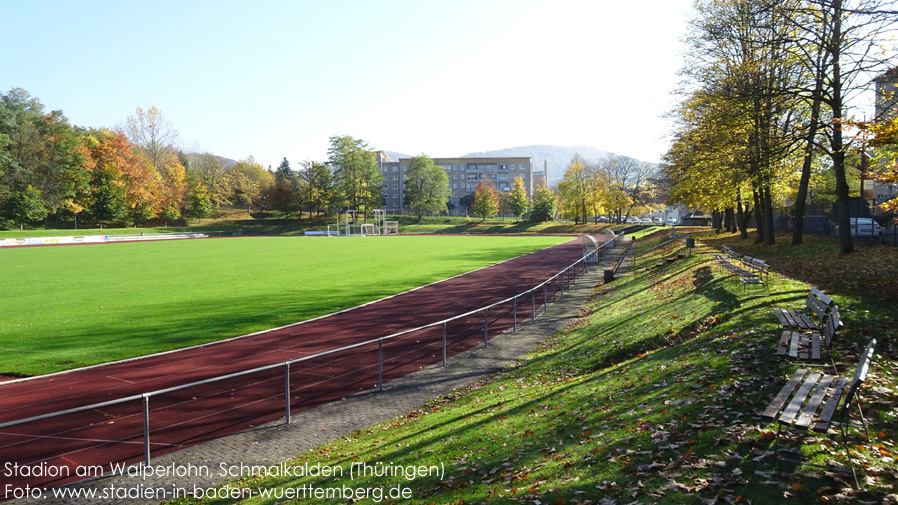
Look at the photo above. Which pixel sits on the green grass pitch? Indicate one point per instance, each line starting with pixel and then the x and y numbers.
pixel 68 307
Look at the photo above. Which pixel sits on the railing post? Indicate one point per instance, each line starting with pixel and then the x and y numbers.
pixel 287 389
pixel 554 299
pixel 444 342
pixel 514 314
pixel 533 304
pixel 146 430
pixel 486 326
pixel 545 297
pixel 380 364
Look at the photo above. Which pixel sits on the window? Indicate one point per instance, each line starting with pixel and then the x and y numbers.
pixel 454 176
pixel 396 195
pixel 395 168
pixel 455 186
pixel 396 177
pixel 395 186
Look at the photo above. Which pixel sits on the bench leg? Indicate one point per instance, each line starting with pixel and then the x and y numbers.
pixel 857 484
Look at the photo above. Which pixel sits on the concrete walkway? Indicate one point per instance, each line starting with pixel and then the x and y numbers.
pixel 275 442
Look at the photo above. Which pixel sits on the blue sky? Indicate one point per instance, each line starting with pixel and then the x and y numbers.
pixel 277 79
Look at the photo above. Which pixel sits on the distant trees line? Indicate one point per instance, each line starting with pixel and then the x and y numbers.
pixel 52 170
pixel 135 174
pixel 613 187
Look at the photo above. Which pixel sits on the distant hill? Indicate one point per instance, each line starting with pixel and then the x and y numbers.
pixel 226 162
pixel 558 157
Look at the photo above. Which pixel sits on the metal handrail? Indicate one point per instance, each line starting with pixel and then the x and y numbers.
pixel 581 263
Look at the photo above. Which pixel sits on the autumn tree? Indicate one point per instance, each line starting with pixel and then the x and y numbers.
pixel 426 187
pixel 214 177
pixel 850 33
pixel 576 189
pixel 252 184
pixel 486 200
pixel 517 198
pixel 155 138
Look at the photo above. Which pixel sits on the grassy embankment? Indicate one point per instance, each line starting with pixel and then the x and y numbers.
pixel 650 397
pixel 71 306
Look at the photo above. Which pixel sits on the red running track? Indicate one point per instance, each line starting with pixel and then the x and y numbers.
pixel 197 414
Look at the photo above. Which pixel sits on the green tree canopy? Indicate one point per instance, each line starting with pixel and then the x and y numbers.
pixel 544 201
pixel 25 206
pixel 356 175
pixel 426 187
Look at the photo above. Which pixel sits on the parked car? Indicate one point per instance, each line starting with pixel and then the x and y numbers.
pixel 865 227
pixel 657 220
pixel 671 221
pixel 633 220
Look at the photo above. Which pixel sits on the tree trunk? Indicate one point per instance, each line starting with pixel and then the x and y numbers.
pixel 759 217
pixel 769 237
pixel 846 244
pixel 801 198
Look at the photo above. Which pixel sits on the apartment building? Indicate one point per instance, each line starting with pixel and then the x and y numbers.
pixel 464 175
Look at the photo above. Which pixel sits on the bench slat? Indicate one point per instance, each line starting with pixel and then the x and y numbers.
pixel 810 411
pixel 803 346
pixel 780 316
pixel 790 317
pixel 780 399
pixel 819 294
pixel 815 346
pixel 817 306
pixel 794 407
pixel 793 347
pixel 805 322
pixel 784 343
pixel 829 408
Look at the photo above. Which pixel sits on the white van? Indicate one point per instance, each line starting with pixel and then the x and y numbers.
pixel 865 227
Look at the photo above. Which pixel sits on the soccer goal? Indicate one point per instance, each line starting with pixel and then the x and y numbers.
pixel 352 227
pixel 385 227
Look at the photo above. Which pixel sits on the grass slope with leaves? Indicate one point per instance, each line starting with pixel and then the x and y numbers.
pixel 651 396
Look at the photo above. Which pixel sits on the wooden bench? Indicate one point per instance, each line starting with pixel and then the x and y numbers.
pixel 817 306
pixel 726 259
pixel 755 273
pixel 816 401
pixel 806 346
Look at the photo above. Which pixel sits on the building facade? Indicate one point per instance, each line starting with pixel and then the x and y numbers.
pixel 464 175
pixel 886 109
